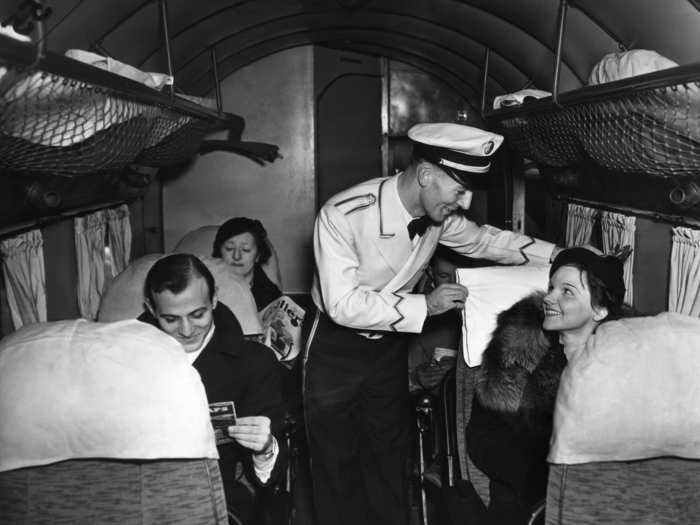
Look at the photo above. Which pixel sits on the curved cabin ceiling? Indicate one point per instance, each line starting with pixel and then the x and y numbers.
pixel 447 38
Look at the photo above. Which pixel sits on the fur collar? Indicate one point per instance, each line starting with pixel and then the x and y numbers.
pixel 522 364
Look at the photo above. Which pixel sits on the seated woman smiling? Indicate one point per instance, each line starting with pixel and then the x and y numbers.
pixel 242 243
pixel 585 289
pixel 511 422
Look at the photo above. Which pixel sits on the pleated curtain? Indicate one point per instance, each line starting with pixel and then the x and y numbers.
pixel 618 231
pixel 90 231
pixel 119 234
pixel 684 279
pixel 25 278
pixel 579 224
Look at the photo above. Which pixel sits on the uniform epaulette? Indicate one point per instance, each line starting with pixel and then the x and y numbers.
pixel 353 204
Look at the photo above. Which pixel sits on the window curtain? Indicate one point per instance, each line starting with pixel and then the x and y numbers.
pixel 90 233
pixel 579 224
pixel 684 285
pixel 24 275
pixel 618 231
pixel 119 234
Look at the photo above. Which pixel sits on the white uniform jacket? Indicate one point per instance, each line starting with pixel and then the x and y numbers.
pixel 366 264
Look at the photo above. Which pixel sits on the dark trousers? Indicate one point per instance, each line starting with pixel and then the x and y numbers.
pixel 356 408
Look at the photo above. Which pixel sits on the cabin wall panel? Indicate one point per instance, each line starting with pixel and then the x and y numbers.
pixel 61 266
pixel 275 96
pixel 651 265
pixel 147 222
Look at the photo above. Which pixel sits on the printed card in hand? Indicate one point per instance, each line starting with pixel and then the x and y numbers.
pixel 222 415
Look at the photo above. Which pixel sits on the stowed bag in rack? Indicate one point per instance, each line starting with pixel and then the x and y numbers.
pixel 653 129
pixel 50 123
pixel 616 66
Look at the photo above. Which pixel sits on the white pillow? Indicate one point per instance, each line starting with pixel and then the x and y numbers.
pixel 80 389
pixel 234 293
pixel 493 289
pixel 632 393
pixel 198 242
pixel 123 298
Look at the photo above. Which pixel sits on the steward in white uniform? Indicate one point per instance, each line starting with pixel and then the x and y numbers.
pixel 367 264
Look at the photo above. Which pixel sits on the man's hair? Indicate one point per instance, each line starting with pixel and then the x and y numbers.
pixel 174 273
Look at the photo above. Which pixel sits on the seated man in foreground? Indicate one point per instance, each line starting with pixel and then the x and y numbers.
pixel 180 299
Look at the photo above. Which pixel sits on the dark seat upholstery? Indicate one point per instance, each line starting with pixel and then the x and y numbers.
pixel 183 491
pixel 655 491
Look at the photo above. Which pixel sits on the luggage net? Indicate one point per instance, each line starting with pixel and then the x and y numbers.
pixel 54 124
pixel 648 124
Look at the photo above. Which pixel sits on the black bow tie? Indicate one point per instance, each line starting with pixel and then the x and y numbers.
pixel 418 226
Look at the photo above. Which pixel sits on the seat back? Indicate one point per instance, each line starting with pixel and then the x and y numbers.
pixel 654 491
pixel 627 412
pixel 123 299
pixel 187 492
pixel 465 385
pixel 104 423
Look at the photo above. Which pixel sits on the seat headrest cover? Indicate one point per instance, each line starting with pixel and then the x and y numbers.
pixel 198 242
pixel 124 296
pixel 631 393
pixel 80 389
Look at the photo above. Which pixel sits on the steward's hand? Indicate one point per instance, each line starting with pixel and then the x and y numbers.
pixel 446 297
pixel 252 432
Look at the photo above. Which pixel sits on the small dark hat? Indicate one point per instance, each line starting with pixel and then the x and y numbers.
pixel 607 268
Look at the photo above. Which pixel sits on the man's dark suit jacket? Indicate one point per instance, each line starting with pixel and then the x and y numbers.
pixel 245 372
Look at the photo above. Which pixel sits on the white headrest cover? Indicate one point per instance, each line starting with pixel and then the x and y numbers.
pixel 79 389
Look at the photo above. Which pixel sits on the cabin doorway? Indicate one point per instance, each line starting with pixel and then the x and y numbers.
pixel 348 120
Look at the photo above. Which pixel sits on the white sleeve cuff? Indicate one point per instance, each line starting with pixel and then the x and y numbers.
pixel 263 464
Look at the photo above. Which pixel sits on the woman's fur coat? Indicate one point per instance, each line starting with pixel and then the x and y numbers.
pixel 521 367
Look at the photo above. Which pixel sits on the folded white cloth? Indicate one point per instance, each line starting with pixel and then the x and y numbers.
pixel 150 79
pixel 631 393
pixel 518 97
pixel 493 289
pixel 80 389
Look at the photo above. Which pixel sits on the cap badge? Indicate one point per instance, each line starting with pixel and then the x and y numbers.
pixel 488 147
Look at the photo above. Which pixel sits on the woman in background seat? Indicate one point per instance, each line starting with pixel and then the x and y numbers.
pixel 242 243
pixel 511 422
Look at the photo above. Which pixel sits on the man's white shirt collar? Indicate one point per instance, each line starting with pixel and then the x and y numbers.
pixel 192 356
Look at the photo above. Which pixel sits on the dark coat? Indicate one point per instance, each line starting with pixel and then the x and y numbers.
pixel 511 422
pixel 245 372
pixel 263 289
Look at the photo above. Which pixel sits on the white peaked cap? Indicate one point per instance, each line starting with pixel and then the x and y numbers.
pixel 462 148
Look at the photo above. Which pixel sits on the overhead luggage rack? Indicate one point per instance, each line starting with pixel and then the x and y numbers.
pixel 647 124
pixel 60 116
